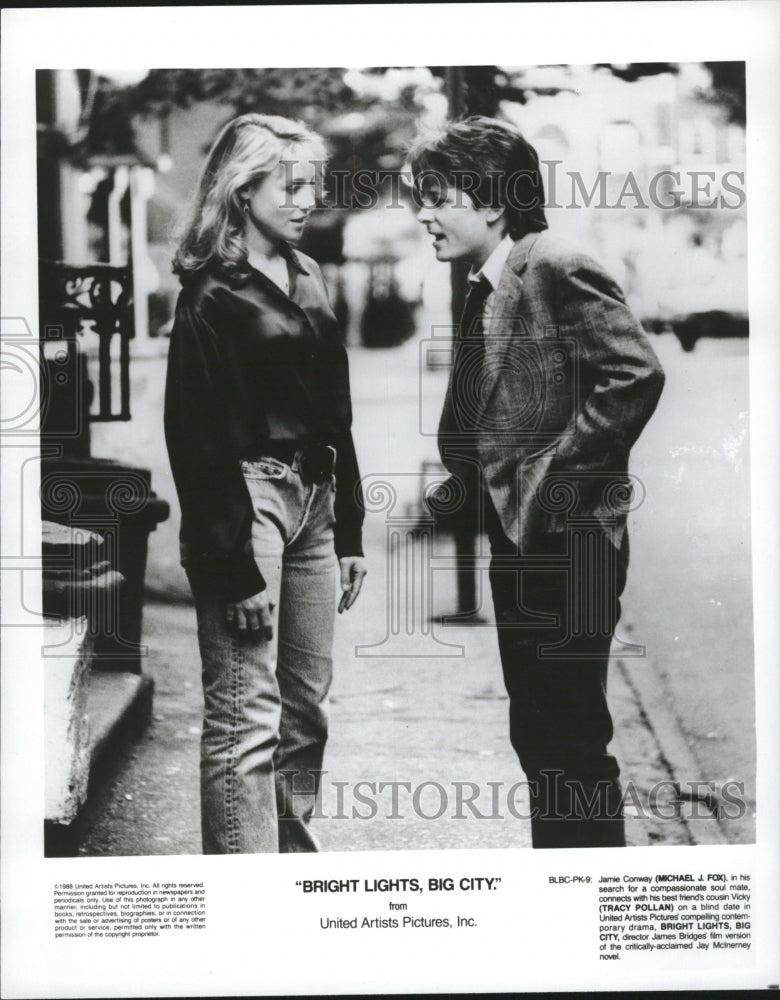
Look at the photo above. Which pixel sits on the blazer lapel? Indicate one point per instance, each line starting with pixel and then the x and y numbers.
pixel 504 326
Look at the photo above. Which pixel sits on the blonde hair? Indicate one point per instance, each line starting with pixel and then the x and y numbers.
pixel 247 148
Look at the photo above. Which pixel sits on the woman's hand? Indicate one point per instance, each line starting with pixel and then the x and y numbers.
pixel 353 569
pixel 253 614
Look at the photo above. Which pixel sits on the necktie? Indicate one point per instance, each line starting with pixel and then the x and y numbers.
pixel 470 355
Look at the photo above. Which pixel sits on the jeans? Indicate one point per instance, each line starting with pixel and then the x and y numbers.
pixel 266 703
pixel 556 612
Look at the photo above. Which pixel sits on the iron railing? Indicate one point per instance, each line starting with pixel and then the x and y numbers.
pixel 81 302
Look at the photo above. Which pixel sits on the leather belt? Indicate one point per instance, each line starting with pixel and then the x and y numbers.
pixel 314 462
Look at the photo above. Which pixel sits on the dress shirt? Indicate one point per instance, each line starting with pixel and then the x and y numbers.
pixel 491 272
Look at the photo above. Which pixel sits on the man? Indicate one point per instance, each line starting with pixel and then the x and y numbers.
pixel 552 382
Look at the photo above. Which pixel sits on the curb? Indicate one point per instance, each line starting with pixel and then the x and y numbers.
pixel 119 707
pixel 653 702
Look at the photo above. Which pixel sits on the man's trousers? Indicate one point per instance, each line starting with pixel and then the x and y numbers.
pixel 556 608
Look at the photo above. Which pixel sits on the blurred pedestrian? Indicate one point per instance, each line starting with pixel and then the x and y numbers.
pixel 552 381
pixel 257 422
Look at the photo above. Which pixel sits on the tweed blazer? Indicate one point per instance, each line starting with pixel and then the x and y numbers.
pixel 566 383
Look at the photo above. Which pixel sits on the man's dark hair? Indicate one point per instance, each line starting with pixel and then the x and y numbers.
pixel 491 162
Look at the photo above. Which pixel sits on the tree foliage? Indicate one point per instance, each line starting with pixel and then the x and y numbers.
pixel 727 88
pixel 302 93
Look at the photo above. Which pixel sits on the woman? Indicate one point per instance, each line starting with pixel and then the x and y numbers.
pixel 257 422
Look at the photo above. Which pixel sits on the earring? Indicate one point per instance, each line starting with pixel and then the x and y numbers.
pixel 246 206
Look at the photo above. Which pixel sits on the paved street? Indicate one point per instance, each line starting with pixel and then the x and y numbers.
pixel 414 720
pixel 684 711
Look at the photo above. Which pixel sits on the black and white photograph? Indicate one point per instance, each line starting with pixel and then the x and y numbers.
pixel 386 480
pixel 298 281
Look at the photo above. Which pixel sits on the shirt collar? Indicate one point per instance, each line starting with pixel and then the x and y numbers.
pixel 241 279
pixel 494 265
pixel 286 251
pixel 289 254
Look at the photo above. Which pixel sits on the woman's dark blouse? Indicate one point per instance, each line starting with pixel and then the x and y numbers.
pixel 249 365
